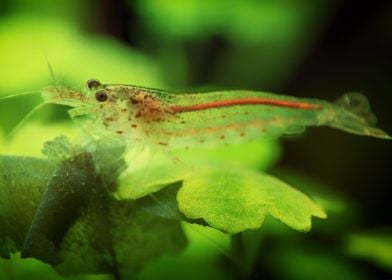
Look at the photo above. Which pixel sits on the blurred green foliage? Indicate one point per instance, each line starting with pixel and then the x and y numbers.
pixel 375 246
pixel 268 38
pixel 312 263
pixel 264 41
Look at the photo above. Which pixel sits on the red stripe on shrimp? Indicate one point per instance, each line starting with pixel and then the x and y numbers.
pixel 247 101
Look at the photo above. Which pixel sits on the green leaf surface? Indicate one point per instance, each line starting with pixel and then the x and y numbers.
pixel 237 200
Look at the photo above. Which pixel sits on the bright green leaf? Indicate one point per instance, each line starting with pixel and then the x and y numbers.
pixel 237 200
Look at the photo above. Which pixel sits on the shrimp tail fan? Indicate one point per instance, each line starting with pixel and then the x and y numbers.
pixel 353 114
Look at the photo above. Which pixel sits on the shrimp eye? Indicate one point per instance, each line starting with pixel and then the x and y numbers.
pixel 92 84
pixel 101 96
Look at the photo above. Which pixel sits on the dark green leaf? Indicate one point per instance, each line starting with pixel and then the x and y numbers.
pixel 22 183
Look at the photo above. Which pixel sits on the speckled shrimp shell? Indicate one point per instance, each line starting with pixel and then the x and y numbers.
pixel 188 120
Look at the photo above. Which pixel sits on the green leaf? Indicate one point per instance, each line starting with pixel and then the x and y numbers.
pixel 237 200
pixel 374 246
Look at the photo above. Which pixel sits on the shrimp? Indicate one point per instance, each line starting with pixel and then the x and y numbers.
pixel 186 120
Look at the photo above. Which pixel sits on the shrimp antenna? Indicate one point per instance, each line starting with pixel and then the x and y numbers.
pixel 50 68
pixel 26 117
pixel 19 94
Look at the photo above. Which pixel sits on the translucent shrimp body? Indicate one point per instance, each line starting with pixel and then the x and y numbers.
pixel 188 120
